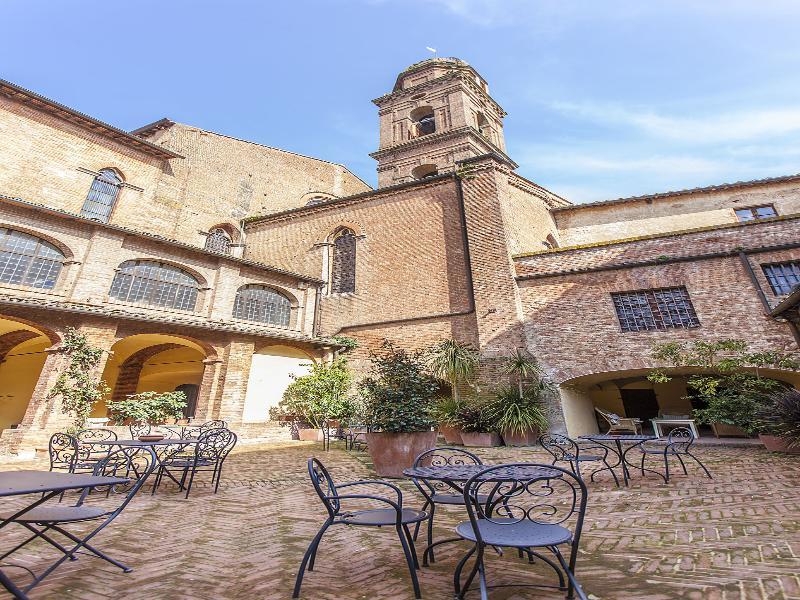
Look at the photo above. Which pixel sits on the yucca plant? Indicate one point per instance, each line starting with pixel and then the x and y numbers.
pixel 523 367
pixel 517 413
pixel 453 362
pixel 446 411
pixel 780 416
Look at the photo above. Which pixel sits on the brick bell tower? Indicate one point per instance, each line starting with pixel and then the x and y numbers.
pixel 438 113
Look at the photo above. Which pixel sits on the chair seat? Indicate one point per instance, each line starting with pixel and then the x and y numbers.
pixel 588 457
pixel 60 514
pixel 509 532
pixel 186 462
pixel 383 516
pixel 455 499
pixel 660 451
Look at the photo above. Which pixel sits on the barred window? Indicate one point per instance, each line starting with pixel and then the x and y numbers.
pixel 782 277
pixel 28 260
pixel 156 284
pixel 754 213
pixel 102 195
pixel 218 240
pixel 664 308
pixel 262 304
pixel 343 270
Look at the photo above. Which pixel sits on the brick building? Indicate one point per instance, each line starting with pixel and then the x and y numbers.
pixel 219 266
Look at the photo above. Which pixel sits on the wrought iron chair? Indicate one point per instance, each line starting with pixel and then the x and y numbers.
pixel 393 515
pixel 210 452
pixel 91 453
pixel 138 429
pixel 620 425
pixel 439 492
pixel 63 452
pixel 534 514
pixel 679 443
pixel 134 463
pixel 215 424
pixel 565 449
pixel 355 437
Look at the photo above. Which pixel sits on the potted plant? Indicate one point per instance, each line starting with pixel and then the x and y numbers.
pixel 446 412
pixel 479 429
pixel 397 399
pixel 519 418
pixel 148 408
pixel 456 364
pixel 778 421
pixel 318 397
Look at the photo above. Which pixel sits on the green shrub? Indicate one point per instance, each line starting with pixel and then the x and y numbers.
pixel 517 413
pixel 320 395
pixel 148 408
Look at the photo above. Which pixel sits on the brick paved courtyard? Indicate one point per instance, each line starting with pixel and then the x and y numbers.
pixel 737 536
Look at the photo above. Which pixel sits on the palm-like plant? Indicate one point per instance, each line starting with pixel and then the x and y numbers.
pixel 522 366
pixel 453 362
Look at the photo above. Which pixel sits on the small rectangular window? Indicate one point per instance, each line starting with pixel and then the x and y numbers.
pixel 663 308
pixel 754 213
pixel 782 277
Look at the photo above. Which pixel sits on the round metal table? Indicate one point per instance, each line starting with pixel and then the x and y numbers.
pixel 614 444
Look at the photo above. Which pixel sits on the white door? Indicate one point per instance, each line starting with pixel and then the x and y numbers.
pixel 270 372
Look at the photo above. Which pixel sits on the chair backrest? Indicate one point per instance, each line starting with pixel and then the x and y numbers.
pixel 134 462
pixel 214 445
pixel 138 429
pixel 680 439
pixel 441 457
pixel 324 486
pixel 215 424
pixel 63 451
pixel 610 417
pixel 560 447
pixel 555 496
pixel 96 435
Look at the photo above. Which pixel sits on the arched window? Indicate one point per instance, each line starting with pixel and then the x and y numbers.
pixel 343 269
pixel 218 240
pixel 423 171
pixel 424 121
pixel 27 260
pixel 262 304
pixel 483 126
pixel 156 284
pixel 102 196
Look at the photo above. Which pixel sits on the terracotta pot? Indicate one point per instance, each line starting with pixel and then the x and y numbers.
pixel 452 435
pixel 393 452
pixel 310 435
pixel 773 443
pixel 480 440
pixel 527 438
pixel 723 430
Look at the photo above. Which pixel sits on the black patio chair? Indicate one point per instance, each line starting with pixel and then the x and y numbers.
pixel 355 438
pixel 91 453
pixel 565 449
pixel 535 515
pixel 215 424
pixel 63 452
pixel 394 515
pixel 138 429
pixel 439 492
pixel 679 443
pixel 134 463
pixel 210 452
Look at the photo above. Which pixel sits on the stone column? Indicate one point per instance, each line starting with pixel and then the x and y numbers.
pixel 209 390
pixel 238 357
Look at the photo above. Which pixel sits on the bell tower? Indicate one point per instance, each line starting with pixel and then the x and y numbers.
pixel 438 113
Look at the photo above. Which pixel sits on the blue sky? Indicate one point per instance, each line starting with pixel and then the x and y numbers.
pixel 605 99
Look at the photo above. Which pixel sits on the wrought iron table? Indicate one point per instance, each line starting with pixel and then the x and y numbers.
pixel 614 444
pixel 453 475
pixel 49 484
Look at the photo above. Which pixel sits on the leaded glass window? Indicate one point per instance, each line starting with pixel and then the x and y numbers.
pixel 782 277
pixel 218 240
pixel 343 270
pixel 28 260
pixel 664 308
pixel 102 195
pixel 156 284
pixel 262 304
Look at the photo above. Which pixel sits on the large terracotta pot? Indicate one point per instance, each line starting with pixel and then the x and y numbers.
pixel 452 435
pixel 527 438
pixel 480 440
pixel 310 435
pixel 723 430
pixel 773 443
pixel 393 452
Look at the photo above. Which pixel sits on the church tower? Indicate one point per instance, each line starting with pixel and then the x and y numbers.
pixel 438 113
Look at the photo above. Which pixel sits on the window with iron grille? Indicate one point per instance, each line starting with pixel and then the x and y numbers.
pixel 102 195
pixel 262 304
pixel 753 213
pixel 782 277
pixel 664 308
pixel 28 260
pixel 155 284
pixel 218 240
pixel 343 271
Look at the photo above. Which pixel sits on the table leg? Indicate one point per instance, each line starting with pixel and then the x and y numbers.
pixel 625 460
pixel 621 454
pixel 610 467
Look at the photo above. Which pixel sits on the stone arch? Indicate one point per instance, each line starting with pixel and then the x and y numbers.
pixel 425 171
pixel 202 282
pixel 43 235
pixel 331 232
pixel 312 198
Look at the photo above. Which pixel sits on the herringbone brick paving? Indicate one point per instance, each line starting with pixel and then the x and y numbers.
pixel 733 538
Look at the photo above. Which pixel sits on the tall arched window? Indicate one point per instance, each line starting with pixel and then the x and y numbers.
pixel 28 260
pixel 218 240
pixel 156 284
pixel 343 269
pixel 262 304
pixel 102 195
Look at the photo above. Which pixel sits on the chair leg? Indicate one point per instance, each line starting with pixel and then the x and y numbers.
pixel 666 468
pixel 482 580
pixel 419 523
pixel 578 469
pixel 610 470
pixel 219 476
pixel 702 466
pixel 91 549
pixel 411 545
pixel 644 455
pixel 574 586
pixel 430 532
pixel 685 472
pixel 312 548
pixel 410 561
pixel 191 480
pixel 457 573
